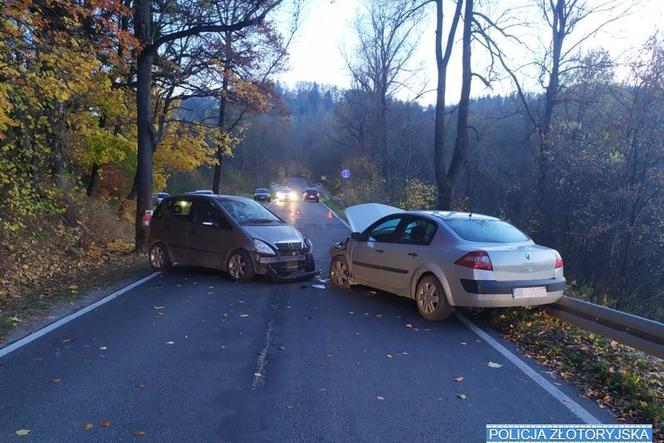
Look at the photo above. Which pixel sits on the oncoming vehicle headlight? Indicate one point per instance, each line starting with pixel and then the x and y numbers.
pixel 263 248
pixel 293 195
pixel 280 195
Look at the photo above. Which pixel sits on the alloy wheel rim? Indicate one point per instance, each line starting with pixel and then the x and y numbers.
pixel 340 273
pixel 237 266
pixel 427 297
pixel 157 257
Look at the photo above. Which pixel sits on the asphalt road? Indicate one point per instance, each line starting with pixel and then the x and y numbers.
pixel 189 356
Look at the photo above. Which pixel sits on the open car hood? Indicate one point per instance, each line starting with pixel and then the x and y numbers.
pixel 361 216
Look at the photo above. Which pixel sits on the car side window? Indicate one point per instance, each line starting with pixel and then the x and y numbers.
pixel 180 208
pixel 418 231
pixel 384 231
pixel 206 213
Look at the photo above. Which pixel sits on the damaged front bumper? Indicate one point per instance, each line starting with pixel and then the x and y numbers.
pixel 287 267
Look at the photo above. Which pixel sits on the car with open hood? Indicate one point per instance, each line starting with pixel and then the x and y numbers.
pixel 443 259
pixel 233 234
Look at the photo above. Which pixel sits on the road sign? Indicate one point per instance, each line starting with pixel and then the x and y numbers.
pixel 345 173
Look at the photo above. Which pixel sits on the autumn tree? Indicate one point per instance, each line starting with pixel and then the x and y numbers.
pixel 156 25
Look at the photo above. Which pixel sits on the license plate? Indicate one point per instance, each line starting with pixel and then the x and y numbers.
pixel 538 291
pixel 291 266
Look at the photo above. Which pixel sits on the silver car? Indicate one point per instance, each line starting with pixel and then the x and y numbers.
pixel 444 259
pixel 233 234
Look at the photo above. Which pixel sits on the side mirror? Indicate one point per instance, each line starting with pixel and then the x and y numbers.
pixel 356 236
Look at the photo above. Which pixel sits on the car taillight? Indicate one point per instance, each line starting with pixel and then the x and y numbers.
pixel 476 260
pixel 147 218
pixel 559 261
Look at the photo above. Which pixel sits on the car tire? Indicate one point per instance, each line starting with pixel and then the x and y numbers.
pixel 159 259
pixel 431 300
pixel 339 272
pixel 240 267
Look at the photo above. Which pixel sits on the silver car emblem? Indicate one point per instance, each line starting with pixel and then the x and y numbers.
pixel 527 256
pixel 290 246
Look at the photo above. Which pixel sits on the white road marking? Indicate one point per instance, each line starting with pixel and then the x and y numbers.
pixel 556 393
pixel 63 321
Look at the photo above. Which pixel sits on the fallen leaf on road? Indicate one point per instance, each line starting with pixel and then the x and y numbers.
pixel 170 342
pixel 458 379
pixel 318 286
pixel 139 433
pixel 380 397
pixel 461 396
pixel 409 326
pixel 72 287
pixel 22 432
pixel 102 348
pixel 281 348
pixel 388 355
pixel 244 315
pixel 158 307
pixel 495 365
pixel 257 374
pixel 404 353
pixel 464 343
pixel 140 386
pixel 379 315
pixel 56 380
pixel 105 424
pixel 87 426
pixel 351 312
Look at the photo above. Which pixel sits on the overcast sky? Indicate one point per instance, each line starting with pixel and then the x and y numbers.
pixel 326 26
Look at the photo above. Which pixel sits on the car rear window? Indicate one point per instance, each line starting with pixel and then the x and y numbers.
pixel 486 231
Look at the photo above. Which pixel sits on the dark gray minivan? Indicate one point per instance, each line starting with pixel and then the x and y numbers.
pixel 233 234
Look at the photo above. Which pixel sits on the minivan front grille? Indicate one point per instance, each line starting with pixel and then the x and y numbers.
pixel 289 248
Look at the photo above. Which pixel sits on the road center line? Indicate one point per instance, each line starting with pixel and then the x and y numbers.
pixel 63 321
pixel 556 393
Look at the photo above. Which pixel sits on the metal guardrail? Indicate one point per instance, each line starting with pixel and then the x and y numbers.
pixel 638 332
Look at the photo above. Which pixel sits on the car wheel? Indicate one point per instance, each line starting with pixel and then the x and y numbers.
pixel 159 258
pixel 339 272
pixel 431 300
pixel 240 267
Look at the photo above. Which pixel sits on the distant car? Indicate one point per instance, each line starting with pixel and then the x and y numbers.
pixel 202 192
pixel 311 195
pixel 159 197
pixel 233 234
pixel 284 193
pixel 444 259
pixel 262 195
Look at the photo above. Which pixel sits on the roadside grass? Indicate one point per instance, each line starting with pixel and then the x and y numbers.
pixel 92 271
pixel 628 382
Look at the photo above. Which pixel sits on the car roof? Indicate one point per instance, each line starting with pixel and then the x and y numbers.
pixel 455 215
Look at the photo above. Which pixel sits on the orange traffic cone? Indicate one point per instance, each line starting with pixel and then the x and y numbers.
pixel 298 212
pixel 329 214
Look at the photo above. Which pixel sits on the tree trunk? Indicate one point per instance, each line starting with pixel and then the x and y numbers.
pixel 144 117
pixel 461 142
pixel 92 181
pixel 442 60
pixel 216 179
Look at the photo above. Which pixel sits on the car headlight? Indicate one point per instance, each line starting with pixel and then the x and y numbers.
pixel 309 245
pixel 263 248
pixel 280 195
pixel 293 195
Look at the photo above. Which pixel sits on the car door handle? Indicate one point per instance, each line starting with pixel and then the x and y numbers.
pixel 412 254
pixel 380 251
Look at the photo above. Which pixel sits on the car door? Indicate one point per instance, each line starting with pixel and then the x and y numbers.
pixel 175 228
pixel 368 254
pixel 404 256
pixel 209 235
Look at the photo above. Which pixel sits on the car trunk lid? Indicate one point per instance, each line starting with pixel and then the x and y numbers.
pixel 522 262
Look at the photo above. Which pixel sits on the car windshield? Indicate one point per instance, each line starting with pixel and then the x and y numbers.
pixel 486 231
pixel 248 212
